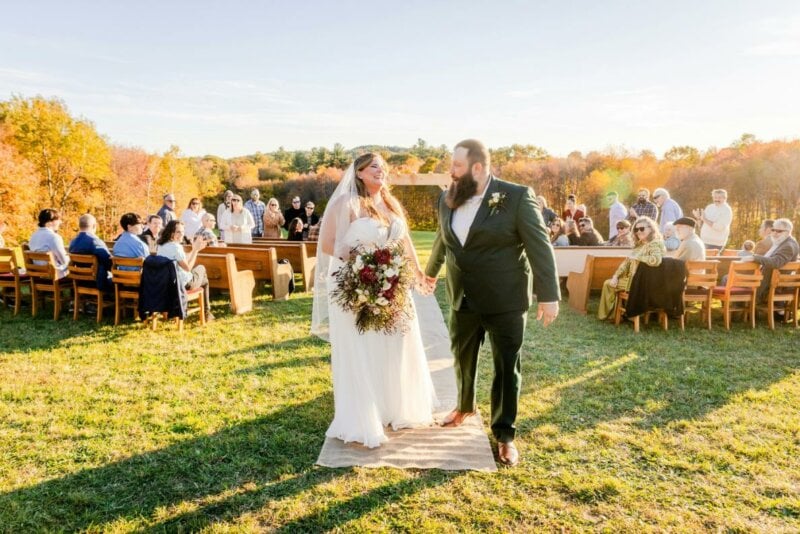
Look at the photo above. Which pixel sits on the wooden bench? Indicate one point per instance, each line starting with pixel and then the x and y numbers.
pixel 572 259
pixel 223 273
pixel 596 270
pixel 302 256
pixel 263 262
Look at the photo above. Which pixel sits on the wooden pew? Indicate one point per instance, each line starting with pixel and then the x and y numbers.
pixel 572 259
pixel 297 252
pixel 311 246
pixel 223 273
pixel 596 270
pixel 263 262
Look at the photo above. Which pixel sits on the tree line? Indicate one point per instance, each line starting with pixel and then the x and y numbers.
pixel 50 158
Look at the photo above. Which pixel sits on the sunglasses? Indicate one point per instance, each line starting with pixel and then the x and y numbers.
pixel 295 202
pixel 640 228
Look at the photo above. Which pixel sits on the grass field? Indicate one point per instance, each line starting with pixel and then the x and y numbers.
pixel 123 429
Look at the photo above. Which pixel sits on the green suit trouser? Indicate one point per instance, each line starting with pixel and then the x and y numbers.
pixel 468 329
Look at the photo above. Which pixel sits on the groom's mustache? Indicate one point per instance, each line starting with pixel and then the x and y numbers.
pixel 460 190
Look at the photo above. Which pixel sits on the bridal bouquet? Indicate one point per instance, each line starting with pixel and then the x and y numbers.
pixel 374 284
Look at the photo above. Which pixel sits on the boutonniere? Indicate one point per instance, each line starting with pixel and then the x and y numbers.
pixel 496 202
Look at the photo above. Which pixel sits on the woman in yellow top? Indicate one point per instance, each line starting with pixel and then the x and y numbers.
pixel 648 247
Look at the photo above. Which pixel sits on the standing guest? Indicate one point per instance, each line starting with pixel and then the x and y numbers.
pixel 2 230
pixel 167 211
pixel 558 236
pixel 151 234
pixel 643 207
pixel 237 223
pixel 670 210
pixel 765 243
pixel 273 219
pixel 716 218
pixel 226 205
pixel 191 276
pixel 572 210
pixel 547 214
pixel 129 244
pixel 257 210
pixel 648 248
pixel 783 250
pixel 616 212
pixel 309 219
pixel 691 247
pixel 571 230
pixel 46 239
pixel 294 211
pixel 206 231
pixel 87 242
pixel 589 236
pixel 671 241
pixel 295 230
pixel 623 236
pixel 191 216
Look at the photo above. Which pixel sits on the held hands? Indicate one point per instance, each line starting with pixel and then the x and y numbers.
pixel 547 312
pixel 425 284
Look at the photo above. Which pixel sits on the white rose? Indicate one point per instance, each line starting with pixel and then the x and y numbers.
pixel 390 273
pixel 385 286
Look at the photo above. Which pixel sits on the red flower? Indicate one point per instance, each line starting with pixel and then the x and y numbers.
pixel 368 276
pixel 383 256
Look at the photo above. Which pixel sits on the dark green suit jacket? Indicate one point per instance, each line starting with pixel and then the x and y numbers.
pixel 493 267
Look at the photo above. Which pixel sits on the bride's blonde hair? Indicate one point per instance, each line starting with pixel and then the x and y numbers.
pixel 365 200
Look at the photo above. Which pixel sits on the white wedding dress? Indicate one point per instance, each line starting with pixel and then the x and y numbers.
pixel 378 379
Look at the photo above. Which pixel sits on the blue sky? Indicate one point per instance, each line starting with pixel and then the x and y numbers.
pixel 230 78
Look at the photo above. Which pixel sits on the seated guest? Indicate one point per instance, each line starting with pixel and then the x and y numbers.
pixel 623 237
pixel 128 245
pixel 748 248
pixel 295 230
pixel 206 231
pixel 571 230
pixel 152 232
pixel 589 236
pixel 86 242
pixel 671 241
pixel 547 214
pixel 558 236
pixel 692 247
pixel 191 276
pixel 648 248
pixel 765 243
pixel 237 223
pixel 46 239
pixel 783 250
pixel 572 210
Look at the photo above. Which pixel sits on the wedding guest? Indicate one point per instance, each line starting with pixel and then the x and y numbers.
pixel 783 250
pixel 294 211
pixel 309 219
pixel 643 207
pixel 571 230
pixel 716 219
pixel 87 242
pixel 670 211
pixel 191 276
pixel 558 236
pixel 153 231
pixel 3 228
pixel 623 236
pixel 671 241
pixel 572 210
pixel 765 243
pixel 167 211
pixel 589 236
pixel 257 210
pixel 313 231
pixel 46 239
pixel 648 248
pixel 206 231
pixel 691 247
pixel 273 219
pixel 191 216
pixel 748 248
pixel 547 214
pixel 225 205
pixel 237 223
pixel 616 212
pixel 295 229
pixel 129 244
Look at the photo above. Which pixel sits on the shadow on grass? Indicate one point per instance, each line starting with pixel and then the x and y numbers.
pixel 259 452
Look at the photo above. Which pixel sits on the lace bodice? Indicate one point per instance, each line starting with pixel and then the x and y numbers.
pixel 370 232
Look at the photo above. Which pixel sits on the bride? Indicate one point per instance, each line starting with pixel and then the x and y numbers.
pixel 378 379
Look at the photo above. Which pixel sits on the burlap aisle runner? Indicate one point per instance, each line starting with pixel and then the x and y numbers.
pixel 466 447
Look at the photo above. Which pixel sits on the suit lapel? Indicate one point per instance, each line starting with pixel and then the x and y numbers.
pixel 483 210
pixel 446 224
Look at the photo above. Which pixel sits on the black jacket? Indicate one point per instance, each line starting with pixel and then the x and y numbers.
pixel 659 287
pixel 160 290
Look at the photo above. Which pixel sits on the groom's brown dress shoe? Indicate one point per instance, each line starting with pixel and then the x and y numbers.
pixel 507 453
pixel 456 418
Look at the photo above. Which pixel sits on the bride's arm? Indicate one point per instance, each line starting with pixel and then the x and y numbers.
pixel 411 256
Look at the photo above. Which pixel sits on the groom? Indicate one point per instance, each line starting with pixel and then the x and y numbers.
pixel 491 236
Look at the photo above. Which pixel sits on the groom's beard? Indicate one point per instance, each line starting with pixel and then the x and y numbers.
pixel 461 190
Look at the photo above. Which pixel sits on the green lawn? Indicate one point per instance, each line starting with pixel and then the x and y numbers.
pixel 123 429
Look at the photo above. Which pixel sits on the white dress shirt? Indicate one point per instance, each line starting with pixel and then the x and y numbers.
pixel 464 215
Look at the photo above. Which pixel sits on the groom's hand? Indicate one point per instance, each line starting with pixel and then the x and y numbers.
pixel 547 312
pixel 430 284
